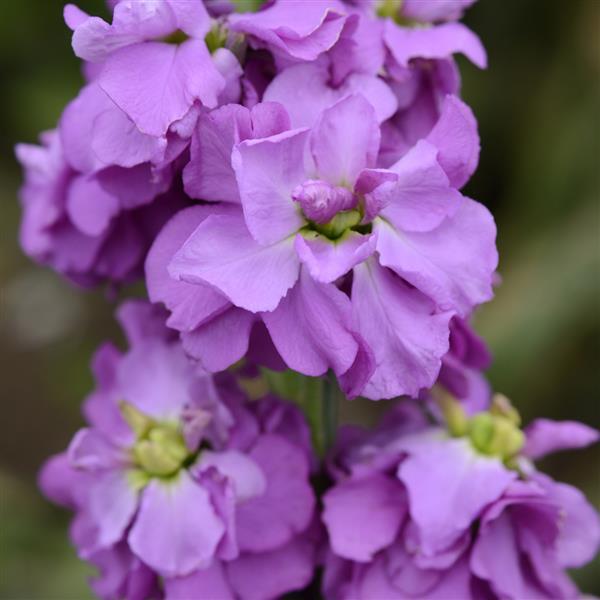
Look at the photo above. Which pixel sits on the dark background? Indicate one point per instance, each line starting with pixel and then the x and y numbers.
pixel 537 107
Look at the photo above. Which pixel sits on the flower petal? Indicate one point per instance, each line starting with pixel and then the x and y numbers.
pixel 312 330
pixel 176 515
pixel 421 197
pixel 305 92
pixel 156 84
pixel 222 340
pixel 328 260
pixel 286 508
pixel 222 253
pixel 544 437
pixel 468 481
pixel 439 42
pixel 191 304
pixel 399 324
pixel 345 140
pixel 209 582
pixel 255 576
pixel 267 171
pixel 453 264
pixel 456 138
pixel 363 516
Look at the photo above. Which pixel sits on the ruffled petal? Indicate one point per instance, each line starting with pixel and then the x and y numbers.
pixel 400 326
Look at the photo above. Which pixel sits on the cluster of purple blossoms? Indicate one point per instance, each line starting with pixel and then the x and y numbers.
pixel 180 480
pixel 287 182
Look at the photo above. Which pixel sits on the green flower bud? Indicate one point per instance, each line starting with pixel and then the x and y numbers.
pixel 454 414
pixel 339 224
pixel 139 423
pixel 162 452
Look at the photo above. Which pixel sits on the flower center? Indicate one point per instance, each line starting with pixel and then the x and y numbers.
pixel 331 210
pixel 495 432
pixel 159 450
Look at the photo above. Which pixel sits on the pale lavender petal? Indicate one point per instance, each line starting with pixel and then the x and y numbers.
pixel 496 559
pixel 89 206
pixel 156 84
pixel 294 28
pixel 190 304
pixel 345 140
pixel 112 503
pixel 456 138
pixel 469 482
pixel 176 515
pixel 243 472
pixel 327 260
pixel 228 65
pixel 305 92
pixel 90 450
pixel 222 340
pixel 222 253
pixel 360 49
pixel 76 127
pixel 142 322
pixel 191 17
pixel 256 576
pixel 209 582
pixel 286 508
pixel 421 197
pixel 117 141
pixel 163 395
pixel 544 436
pixel 209 175
pixel 363 516
pixel 438 42
pixel 312 328
pixel 267 171
pixel 579 534
pixel 400 325
pixel 58 480
pixel 452 264
pixel 74 16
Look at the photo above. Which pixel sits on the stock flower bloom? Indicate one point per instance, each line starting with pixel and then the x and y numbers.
pixel 86 225
pixel 155 82
pixel 312 210
pixel 504 530
pixel 178 477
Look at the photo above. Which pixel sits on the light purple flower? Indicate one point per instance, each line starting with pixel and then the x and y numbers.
pixel 417 512
pixel 75 222
pixel 312 210
pixel 178 476
pixel 422 72
pixel 154 82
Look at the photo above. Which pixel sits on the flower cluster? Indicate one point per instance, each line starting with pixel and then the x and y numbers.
pixel 456 509
pixel 179 477
pixel 287 182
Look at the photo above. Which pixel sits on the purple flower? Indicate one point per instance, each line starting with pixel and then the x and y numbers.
pixel 420 511
pixel 155 82
pixel 181 478
pixel 313 210
pixel 89 226
pixel 422 72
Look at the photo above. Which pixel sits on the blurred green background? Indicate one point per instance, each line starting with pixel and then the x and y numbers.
pixel 538 108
